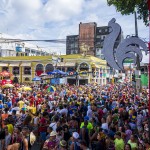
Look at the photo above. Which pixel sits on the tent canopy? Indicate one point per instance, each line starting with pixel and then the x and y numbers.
pixel 36 79
pixel 56 72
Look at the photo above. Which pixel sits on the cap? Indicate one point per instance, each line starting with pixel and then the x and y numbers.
pixel 75 135
pixel 53 133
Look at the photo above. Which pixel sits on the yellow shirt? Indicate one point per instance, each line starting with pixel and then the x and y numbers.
pixel 21 103
pixel 133 145
pixel 10 128
pixel 89 126
pixel 119 144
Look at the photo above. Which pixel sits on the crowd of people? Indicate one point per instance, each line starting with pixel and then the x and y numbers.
pixel 85 117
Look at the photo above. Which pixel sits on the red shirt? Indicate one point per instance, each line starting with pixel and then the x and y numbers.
pixel 43 125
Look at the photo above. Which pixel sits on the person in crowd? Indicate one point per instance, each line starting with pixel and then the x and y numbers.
pixel 75 141
pixel 74 117
pixel 119 143
pixel 127 147
pixel 133 142
pixel 52 142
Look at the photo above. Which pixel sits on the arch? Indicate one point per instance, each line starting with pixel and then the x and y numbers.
pixel 27 79
pixel 39 69
pixel 49 68
pixel 84 66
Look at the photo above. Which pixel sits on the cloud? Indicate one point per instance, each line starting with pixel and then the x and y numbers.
pixel 55 19
pixel 60 10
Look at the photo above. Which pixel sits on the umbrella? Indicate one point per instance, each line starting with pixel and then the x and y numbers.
pixel 36 79
pixel 56 72
pixel 5 74
pixel 43 74
pixel 8 86
pixel 26 88
pixel 51 89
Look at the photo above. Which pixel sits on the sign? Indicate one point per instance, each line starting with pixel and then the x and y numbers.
pixel 55 81
pixel 18 49
pixel 138 83
pixel 71 73
pixel 62 81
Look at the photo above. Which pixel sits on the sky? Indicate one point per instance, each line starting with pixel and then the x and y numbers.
pixel 55 19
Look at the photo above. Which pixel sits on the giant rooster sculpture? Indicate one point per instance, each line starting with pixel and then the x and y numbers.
pixel 128 48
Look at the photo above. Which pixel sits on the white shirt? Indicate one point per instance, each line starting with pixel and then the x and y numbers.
pixel 89 113
pixel 16 108
pixel 53 125
pixel 104 126
pixel 50 105
pixel 63 111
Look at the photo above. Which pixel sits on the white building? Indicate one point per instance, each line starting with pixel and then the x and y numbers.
pixel 19 48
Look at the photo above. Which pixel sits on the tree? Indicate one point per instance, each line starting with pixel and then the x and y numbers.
pixel 127 7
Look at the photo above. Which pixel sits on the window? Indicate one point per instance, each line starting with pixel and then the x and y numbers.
pixel 84 65
pixel 27 79
pixel 15 70
pixel 49 68
pixel 39 67
pixel 27 70
pixel 98 36
pixel 100 31
pixel 5 69
pixel 70 69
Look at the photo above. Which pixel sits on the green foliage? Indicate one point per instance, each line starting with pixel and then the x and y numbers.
pixel 127 7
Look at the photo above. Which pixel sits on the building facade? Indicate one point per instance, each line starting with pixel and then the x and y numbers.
pixel 9 48
pixel 90 40
pixel 87 37
pixel 101 33
pixel 72 44
pixel 80 69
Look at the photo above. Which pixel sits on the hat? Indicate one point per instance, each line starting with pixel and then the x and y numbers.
pixel 75 135
pixel 86 118
pixel 53 133
pixel 63 143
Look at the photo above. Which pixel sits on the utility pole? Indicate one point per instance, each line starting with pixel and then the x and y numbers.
pixel 136 34
pixel 138 80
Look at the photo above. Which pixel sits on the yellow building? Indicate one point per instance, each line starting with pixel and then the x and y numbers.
pixel 24 68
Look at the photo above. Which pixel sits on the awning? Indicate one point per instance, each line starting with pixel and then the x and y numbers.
pixel 14 65
pixel 3 65
pixel 26 64
pixel 95 66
